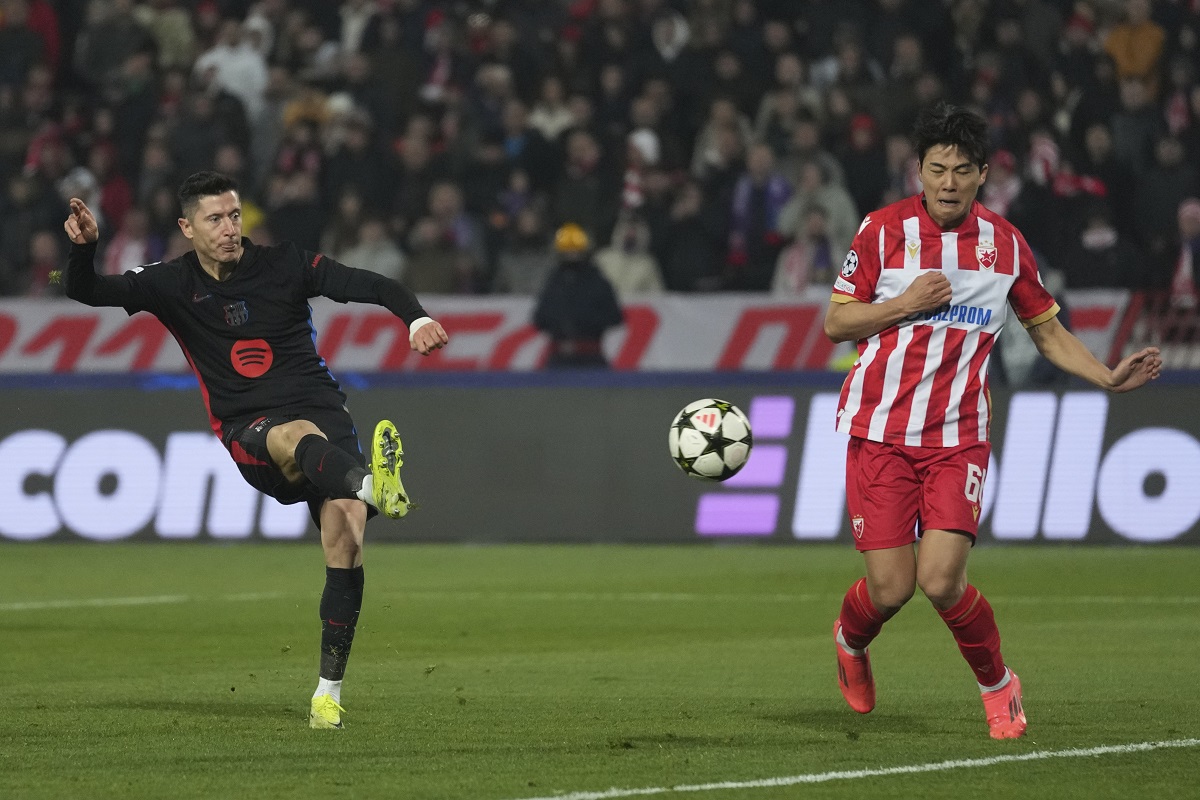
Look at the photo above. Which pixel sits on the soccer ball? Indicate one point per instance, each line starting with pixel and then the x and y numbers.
pixel 710 439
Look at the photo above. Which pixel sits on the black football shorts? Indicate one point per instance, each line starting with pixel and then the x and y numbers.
pixel 247 443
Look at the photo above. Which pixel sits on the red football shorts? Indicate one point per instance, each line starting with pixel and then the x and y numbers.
pixel 896 492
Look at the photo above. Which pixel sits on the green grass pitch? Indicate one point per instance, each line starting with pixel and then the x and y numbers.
pixel 510 672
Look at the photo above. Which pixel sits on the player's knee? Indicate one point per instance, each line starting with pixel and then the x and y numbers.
pixel 889 595
pixel 283 441
pixel 293 432
pixel 943 590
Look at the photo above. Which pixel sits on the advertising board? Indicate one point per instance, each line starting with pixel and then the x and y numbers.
pixel 585 459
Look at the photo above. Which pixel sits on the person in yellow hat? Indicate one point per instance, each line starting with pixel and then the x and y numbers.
pixel 577 304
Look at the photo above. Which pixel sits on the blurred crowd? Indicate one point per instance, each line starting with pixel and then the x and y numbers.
pixel 701 145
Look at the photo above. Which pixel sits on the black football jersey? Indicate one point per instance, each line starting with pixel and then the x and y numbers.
pixel 249 338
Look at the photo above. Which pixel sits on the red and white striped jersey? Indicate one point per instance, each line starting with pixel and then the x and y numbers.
pixel 923 382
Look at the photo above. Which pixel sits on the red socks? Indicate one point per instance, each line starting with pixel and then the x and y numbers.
pixel 971 621
pixel 974 628
pixel 860 619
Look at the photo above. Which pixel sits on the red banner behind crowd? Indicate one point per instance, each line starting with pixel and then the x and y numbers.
pixel 668 332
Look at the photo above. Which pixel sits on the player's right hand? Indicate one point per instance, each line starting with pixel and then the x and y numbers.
pixel 429 337
pixel 928 292
pixel 81 226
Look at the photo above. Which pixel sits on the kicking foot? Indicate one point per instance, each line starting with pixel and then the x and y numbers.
pixel 386 451
pixel 1005 715
pixel 325 713
pixel 854 676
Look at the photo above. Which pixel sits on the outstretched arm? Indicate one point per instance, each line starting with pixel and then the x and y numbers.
pixel 82 283
pixel 345 284
pixel 1065 351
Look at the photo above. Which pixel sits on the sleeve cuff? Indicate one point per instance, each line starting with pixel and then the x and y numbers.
pixel 1033 322
pixel 416 325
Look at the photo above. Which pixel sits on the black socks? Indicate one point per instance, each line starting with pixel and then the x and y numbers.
pixel 330 468
pixel 340 604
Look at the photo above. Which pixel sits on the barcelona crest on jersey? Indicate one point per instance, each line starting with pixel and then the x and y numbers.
pixel 237 313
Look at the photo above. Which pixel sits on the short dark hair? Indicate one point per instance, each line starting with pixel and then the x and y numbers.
pixel 955 126
pixel 203 184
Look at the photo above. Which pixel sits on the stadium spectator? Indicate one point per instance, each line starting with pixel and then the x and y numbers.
pixel 171 29
pixel 903 172
pixel 550 115
pixel 1183 280
pixel 376 251
pixel 446 247
pixel 1136 126
pixel 395 71
pixel 341 232
pixel 864 162
pixel 712 150
pixel 583 192
pixel 524 146
pixel 1020 201
pixel 814 188
pixel 1136 45
pixel 1100 258
pixel 26 207
pixel 688 250
pixel 45 259
pixel 805 145
pixel 296 209
pixel 21 48
pixel 1158 195
pixel 525 258
pixel 1099 160
pixel 358 163
pixel 418 170
pixel 810 259
pixel 133 245
pixel 233 65
pixel 355 17
pixel 576 305
pixel 755 240
pixel 116 196
pixel 112 34
pixel 627 261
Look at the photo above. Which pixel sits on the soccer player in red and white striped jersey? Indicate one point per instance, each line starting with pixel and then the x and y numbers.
pixel 925 291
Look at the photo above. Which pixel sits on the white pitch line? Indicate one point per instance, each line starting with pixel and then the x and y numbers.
pixel 846 775
pixel 149 600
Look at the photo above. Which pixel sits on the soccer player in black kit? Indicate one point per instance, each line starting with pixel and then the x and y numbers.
pixel 240 313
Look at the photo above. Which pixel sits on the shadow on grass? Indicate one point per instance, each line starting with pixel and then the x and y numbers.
pixel 213 708
pixel 827 719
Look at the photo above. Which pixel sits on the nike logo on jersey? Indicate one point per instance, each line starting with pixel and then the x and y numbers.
pixel 197 297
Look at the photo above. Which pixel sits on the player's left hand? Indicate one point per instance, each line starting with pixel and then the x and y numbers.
pixel 1136 370
pixel 429 337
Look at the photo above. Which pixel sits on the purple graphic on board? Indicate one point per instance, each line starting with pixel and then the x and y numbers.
pixel 748 513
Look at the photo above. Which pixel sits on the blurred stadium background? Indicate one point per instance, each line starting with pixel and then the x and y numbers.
pixel 720 155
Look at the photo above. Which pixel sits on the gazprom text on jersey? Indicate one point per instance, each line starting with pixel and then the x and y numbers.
pixel 972 315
